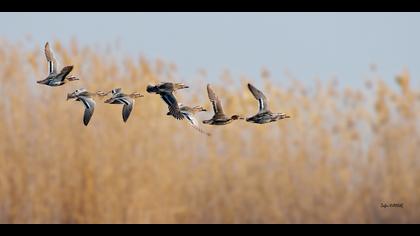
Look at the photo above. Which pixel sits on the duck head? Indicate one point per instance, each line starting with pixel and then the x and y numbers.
pixel 199 108
pixel 72 78
pixel 151 89
pixel 237 117
pixel 76 93
pixel 207 121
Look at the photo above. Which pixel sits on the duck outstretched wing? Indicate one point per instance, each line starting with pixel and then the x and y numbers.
pixel 52 61
pixel 127 108
pixel 89 104
pixel 262 100
pixel 173 106
pixel 217 104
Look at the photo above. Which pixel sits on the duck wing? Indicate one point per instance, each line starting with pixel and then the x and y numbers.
pixel 127 108
pixel 194 123
pixel 217 104
pixel 89 108
pixel 262 100
pixel 64 72
pixel 170 99
pixel 52 62
pixel 166 86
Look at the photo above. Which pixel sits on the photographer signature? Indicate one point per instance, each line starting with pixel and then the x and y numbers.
pixel 392 205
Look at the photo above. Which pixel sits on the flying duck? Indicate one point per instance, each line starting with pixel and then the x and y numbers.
pixel 118 97
pixel 56 78
pixel 219 117
pixel 86 98
pixel 165 90
pixel 264 115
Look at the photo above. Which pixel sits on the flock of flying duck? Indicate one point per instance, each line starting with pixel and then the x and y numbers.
pixel 165 90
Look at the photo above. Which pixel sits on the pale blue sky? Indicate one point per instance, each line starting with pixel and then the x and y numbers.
pixel 309 45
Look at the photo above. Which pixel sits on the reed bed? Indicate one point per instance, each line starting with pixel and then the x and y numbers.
pixel 344 152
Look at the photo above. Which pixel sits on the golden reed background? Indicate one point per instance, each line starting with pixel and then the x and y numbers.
pixel 342 154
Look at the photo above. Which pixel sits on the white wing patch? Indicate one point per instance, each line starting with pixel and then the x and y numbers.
pixel 261 104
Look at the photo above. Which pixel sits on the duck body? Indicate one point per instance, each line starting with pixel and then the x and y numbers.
pixel 58 79
pixel 188 110
pixel 266 117
pixel 217 122
pixel 165 87
pixel 221 120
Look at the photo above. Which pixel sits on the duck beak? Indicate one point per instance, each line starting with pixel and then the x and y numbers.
pixel 101 93
pixel 72 78
pixel 70 96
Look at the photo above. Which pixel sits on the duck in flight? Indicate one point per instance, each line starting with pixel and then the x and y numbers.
pixel 264 115
pixel 219 117
pixel 166 90
pixel 55 77
pixel 86 98
pixel 118 97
